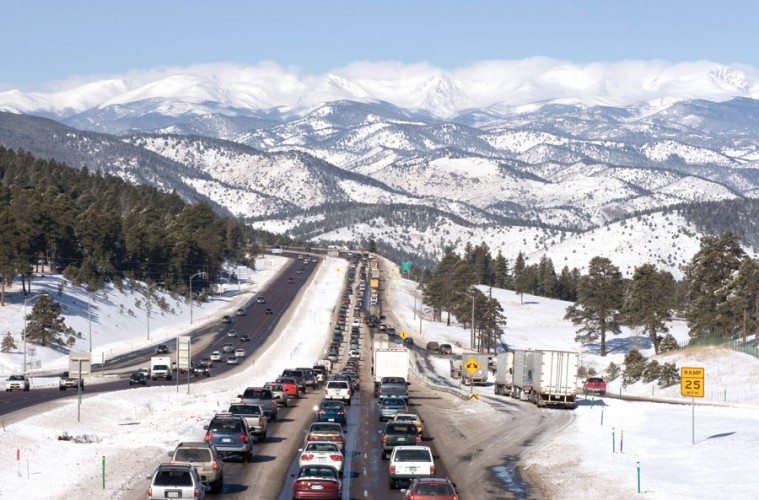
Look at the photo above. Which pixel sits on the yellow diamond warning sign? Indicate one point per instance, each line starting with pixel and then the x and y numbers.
pixel 472 366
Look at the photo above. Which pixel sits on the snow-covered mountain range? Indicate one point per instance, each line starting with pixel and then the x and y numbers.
pixel 420 160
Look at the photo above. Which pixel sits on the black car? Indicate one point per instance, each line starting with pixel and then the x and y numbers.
pixel 244 337
pixel 202 368
pixel 269 311
pixel 290 280
pixel 138 378
pixel 162 349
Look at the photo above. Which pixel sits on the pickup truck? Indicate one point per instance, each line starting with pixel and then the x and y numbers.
pixel 392 386
pixel 254 415
pixel 399 434
pixel 594 385
pixel 68 382
pixel 261 396
pixel 409 462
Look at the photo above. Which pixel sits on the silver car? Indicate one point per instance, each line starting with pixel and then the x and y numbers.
pixel 171 481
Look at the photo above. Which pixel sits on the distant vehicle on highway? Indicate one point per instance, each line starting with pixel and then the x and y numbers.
pixel 138 378
pixel 227 319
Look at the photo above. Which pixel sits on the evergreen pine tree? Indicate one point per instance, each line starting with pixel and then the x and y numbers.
pixel 648 302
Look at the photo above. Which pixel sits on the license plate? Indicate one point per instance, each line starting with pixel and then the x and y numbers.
pixel 413 469
pixel 317 487
pixel 173 494
pixel 226 440
pixel 330 419
pixel 401 439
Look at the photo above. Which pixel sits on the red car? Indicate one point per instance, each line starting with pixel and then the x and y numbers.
pixel 317 482
pixel 594 385
pixel 431 488
pixel 291 386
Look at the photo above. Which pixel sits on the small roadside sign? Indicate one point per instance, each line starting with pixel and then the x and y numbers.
pixel 474 396
pixel 692 382
pixel 402 335
pixel 472 366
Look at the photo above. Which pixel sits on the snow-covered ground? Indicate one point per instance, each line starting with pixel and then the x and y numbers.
pixel 596 457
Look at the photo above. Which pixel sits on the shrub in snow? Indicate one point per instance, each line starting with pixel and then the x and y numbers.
pixel 652 371
pixel 668 343
pixel 669 375
pixel 613 371
pixel 635 363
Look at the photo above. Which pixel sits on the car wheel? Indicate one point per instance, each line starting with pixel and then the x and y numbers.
pixel 263 437
pixel 392 484
pixel 218 485
pixel 251 457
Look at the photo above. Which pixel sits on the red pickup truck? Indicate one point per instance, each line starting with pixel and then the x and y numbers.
pixel 594 385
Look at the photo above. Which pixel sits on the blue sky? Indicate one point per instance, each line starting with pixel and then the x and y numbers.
pixel 52 40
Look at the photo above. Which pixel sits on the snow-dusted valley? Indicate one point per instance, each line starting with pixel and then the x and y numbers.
pixel 570 181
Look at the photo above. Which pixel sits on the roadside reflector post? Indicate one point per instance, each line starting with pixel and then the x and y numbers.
pixel 621 440
pixel 602 416
pixel 103 474
pixel 638 466
pixel 613 441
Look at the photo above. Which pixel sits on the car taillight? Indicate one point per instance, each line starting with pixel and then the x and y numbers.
pixel 307 457
pixel 392 469
pixel 384 439
pixel 209 437
pixel 150 492
pixel 341 413
pixel 418 439
pixel 321 412
pixel 197 493
pixel 336 458
pixel 260 421
pixel 432 470
pixel 215 465
pixel 244 438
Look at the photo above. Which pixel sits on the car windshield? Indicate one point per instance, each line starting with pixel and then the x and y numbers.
pixel 325 428
pixel 434 489
pixel 412 455
pixel 330 447
pixel 245 409
pixel 322 472
pixel 173 478
pixel 393 402
pixel 257 394
pixel 193 455
pixel 401 428
pixel 226 426
pixel 16 377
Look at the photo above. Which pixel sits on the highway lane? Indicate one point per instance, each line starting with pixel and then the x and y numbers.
pixel 113 377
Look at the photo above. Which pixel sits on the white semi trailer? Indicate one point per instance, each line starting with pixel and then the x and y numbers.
pixel 545 377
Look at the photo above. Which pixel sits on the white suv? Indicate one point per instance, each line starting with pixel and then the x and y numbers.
pixel 17 383
pixel 409 462
pixel 176 481
pixel 338 389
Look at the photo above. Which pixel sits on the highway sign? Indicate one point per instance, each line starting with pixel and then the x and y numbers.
pixel 405 266
pixel 472 366
pixel 402 335
pixel 692 382
pixel 475 396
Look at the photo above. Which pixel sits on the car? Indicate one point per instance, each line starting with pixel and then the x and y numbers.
pixel 299 270
pixel 260 299
pixel 398 434
pixel 280 393
pixel 432 488
pixel 68 380
pixel 240 353
pixel 231 333
pixel 299 376
pixel 241 312
pixel 290 280
pixel 338 389
pixel 331 411
pixel 446 349
pixel 226 319
pixel 216 356
pixel 317 482
pixel 326 431
pixel 138 378
pixel 409 341
pixel 206 460
pixel 433 347
pixel 594 385
pixel 232 360
pixel 321 453
pixel 254 415
pixel 230 435
pixel 269 311
pixel 409 462
pixel 410 417
pixel 176 481
pixel 228 347
pixel 262 396
pixel 244 337
pixel 291 386
pixel 144 370
pixel 17 383
pixel 202 368
pixel 162 349
pixel 389 406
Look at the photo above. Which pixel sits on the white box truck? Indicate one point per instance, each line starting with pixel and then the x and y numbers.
pixel 546 377
pixel 390 363
pixel 504 373
pixel 160 367
pixel 474 368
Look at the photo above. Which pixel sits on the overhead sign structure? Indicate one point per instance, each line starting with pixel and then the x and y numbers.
pixel 692 382
pixel 472 366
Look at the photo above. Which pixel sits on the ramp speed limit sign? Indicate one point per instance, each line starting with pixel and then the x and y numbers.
pixel 692 382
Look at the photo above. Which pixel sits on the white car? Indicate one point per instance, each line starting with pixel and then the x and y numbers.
pixel 231 333
pixel 240 353
pixel 322 453
pixel 216 356
pixel 355 353
pixel 232 360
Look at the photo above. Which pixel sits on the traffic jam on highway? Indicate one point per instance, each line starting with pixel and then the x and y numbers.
pixel 327 462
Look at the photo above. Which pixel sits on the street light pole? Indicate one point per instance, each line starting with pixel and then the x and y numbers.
pixel 89 320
